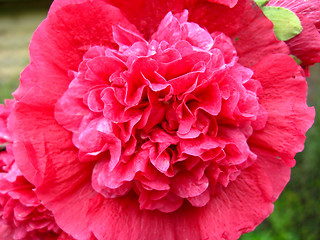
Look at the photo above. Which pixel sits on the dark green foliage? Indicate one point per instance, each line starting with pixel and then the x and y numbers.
pixel 23 5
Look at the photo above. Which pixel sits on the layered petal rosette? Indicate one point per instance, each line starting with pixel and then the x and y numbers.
pixel 159 120
pixel 306 45
pixel 22 216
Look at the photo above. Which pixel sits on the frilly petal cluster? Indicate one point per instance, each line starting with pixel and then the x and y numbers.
pixel 168 118
pixel 22 216
pixel 158 120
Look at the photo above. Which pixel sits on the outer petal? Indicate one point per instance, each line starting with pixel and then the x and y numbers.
pixel 146 15
pixel 284 97
pixel 242 22
pixel 230 3
pixel 58 45
pixel 276 169
pixel 45 154
pixel 222 218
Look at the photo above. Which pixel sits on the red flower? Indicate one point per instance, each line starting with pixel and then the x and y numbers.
pixel 306 45
pixel 141 120
pixel 22 216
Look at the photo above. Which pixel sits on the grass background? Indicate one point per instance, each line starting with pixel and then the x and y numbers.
pixel 297 212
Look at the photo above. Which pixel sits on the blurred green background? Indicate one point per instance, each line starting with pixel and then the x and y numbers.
pixel 297 212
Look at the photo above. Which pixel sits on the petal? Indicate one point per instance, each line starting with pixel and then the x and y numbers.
pixel 198 37
pixel 69 112
pixel 275 168
pixel 230 3
pixel 239 208
pixel 113 177
pixel 200 200
pixel 284 97
pixel 103 67
pixel 125 38
pixel 37 146
pixel 146 15
pixel 235 210
pixel 185 185
pixel 217 17
pixel 40 156
pixel 58 46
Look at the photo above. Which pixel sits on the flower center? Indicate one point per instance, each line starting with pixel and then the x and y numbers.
pixel 167 118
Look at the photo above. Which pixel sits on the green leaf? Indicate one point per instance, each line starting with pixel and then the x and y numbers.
pixel 261 3
pixel 286 23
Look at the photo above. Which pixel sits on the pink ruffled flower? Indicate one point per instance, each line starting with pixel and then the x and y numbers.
pixel 306 45
pixel 155 116
pixel 144 120
pixel 22 216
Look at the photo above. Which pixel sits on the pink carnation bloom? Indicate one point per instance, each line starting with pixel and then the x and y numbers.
pixel 143 120
pixel 306 45
pixel 22 216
